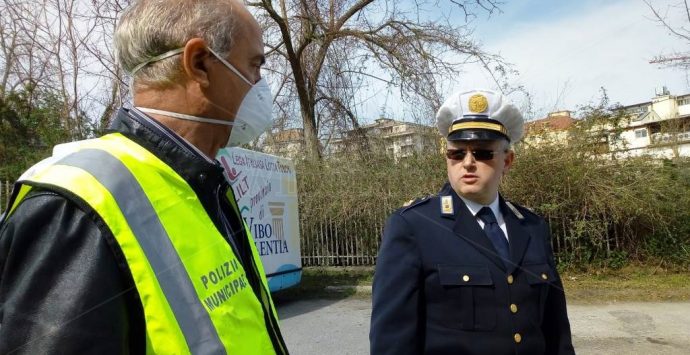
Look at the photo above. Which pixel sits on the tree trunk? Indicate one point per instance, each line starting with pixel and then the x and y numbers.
pixel 311 137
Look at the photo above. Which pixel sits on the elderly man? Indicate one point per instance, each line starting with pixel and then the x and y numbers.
pixel 133 242
pixel 465 271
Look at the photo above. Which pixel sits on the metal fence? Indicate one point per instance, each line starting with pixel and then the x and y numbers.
pixel 353 241
pixel 325 242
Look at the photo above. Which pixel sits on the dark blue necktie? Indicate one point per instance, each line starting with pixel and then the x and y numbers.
pixel 495 234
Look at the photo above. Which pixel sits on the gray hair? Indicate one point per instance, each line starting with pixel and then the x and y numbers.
pixel 506 145
pixel 149 28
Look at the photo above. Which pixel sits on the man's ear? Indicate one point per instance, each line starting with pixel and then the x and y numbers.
pixel 508 161
pixel 195 61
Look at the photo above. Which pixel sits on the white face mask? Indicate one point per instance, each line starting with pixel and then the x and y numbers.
pixel 254 116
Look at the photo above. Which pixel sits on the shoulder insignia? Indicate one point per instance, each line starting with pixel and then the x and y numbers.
pixel 515 210
pixel 447 206
pixel 521 211
pixel 414 202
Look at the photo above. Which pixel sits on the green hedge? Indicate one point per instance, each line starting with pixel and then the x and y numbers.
pixel 601 209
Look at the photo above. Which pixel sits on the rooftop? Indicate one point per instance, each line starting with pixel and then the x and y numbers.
pixel 555 121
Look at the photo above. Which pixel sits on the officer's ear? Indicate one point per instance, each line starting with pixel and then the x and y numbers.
pixel 196 59
pixel 508 161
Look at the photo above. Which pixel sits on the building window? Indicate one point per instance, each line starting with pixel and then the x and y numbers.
pixel 638 110
pixel 685 101
pixel 641 133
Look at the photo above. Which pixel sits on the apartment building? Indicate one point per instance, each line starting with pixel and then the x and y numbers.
pixel 660 127
pixel 398 139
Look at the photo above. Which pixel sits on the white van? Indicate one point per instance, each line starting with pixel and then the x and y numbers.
pixel 265 187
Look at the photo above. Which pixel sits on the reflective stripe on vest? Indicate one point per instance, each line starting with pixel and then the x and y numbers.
pixel 194 291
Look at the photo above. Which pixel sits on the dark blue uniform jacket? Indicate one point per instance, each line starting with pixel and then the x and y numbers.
pixel 439 287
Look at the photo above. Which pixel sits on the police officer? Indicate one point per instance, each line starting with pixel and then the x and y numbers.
pixel 133 243
pixel 466 271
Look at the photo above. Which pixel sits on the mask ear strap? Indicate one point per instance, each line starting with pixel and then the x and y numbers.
pixel 182 116
pixel 165 55
pixel 231 67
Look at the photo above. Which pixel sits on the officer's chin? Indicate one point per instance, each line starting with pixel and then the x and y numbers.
pixel 471 191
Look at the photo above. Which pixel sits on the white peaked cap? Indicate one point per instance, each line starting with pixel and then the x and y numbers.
pixel 479 115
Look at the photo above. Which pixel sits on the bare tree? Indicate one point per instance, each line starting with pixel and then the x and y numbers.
pixel 9 39
pixel 24 57
pixel 326 51
pixel 670 131
pixel 679 30
pixel 98 44
pixel 64 46
pixel 323 55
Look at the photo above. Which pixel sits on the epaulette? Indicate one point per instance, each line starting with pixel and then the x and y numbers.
pixel 517 212
pixel 414 202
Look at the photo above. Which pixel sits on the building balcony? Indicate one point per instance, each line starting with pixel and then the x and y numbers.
pixel 667 138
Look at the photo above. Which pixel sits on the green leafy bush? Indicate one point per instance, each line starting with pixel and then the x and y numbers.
pixel 603 207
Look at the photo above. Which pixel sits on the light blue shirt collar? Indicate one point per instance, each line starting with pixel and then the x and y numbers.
pixel 474 208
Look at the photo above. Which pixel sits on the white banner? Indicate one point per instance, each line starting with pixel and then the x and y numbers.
pixel 265 187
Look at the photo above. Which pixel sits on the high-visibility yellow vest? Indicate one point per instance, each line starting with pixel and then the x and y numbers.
pixel 194 291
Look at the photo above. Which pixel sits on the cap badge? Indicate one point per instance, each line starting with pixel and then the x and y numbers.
pixel 478 103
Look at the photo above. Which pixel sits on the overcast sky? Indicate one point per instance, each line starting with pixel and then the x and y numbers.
pixel 565 51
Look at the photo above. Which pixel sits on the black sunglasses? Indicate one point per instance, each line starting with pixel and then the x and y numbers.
pixel 478 154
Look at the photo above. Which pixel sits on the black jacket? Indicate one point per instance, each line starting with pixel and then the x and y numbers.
pixel 439 287
pixel 65 287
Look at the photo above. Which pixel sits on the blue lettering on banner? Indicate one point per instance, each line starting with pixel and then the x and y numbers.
pixel 270 247
pixel 263 231
pixel 259 230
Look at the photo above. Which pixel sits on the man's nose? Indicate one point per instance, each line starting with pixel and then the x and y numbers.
pixel 469 159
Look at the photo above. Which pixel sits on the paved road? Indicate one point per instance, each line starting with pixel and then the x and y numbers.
pixel 317 327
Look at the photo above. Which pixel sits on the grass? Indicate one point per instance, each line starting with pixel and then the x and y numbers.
pixel 316 279
pixel 632 283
